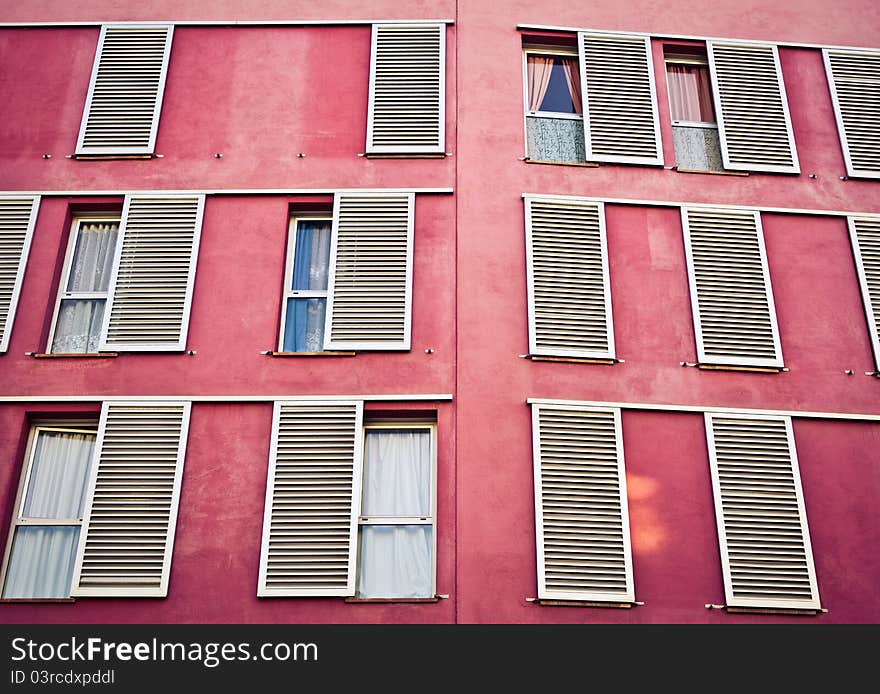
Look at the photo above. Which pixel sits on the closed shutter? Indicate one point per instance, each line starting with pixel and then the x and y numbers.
pixel 121 115
pixel 313 497
pixel 407 89
pixel 864 233
pixel 753 120
pixel 854 80
pixel 152 282
pixel 731 297
pixel 581 515
pixel 620 101
pixel 569 291
pixel 127 534
pixel 759 506
pixel 369 304
pixel 18 215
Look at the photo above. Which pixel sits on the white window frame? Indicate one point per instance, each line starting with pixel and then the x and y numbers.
pixel 289 293
pixel 431 520
pixel 63 294
pixel 702 357
pixel 18 517
pixel 160 93
pixel 6 330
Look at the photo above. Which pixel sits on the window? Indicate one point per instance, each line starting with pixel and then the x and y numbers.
pixel 82 296
pixel 18 216
pixel 121 114
pixel 396 525
pixel 554 116
pixel 349 508
pixel 96 509
pixel 304 308
pixel 694 129
pixel 114 295
pixel 48 511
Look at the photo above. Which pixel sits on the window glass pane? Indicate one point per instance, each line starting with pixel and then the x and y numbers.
pixel 690 93
pixel 396 561
pixel 41 562
pixel 56 486
pixel 397 473
pixel 554 84
pixel 304 325
pixel 312 254
pixel 93 257
pixel 78 328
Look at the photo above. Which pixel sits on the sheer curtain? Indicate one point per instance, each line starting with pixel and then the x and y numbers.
pixel 539 69
pixel 42 557
pixel 78 326
pixel 396 560
pixel 304 323
pixel 690 93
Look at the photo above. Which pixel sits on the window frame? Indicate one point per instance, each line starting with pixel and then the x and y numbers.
pixel 560 52
pixel 289 293
pixel 688 60
pixel 63 294
pixel 89 426
pixel 431 520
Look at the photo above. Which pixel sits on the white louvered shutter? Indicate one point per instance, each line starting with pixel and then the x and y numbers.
pixel 766 556
pixel 620 101
pixel 127 535
pixel 854 80
pixel 153 275
pixel 731 296
pixel 370 283
pixel 864 234
pixel 121 115
pixel 407 89
pixel 313 497
pixel 752 108
pixel 569 290
pixel 581 515
pixel 18 215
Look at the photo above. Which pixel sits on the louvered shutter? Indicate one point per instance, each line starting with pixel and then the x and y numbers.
pixel 864 233
pixel 407 89
pixel 731 296
pixel 127 535
pixel 121 115
pixel 153 276
pixel 854 80
pixel 569 291
pixel 369 302
pixel 620 102
pixel 313 498
pixel 18 215
pixel 581 515
pixel 766 556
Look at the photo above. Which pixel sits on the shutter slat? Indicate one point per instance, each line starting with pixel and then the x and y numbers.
pixel 754 125
pixel 151 287
pixel 18 216
pixel 621 121
pixel 407 89
pixel 125 96
pixel 128 527
pixel 581 515
pixel 731 296
pixel 854 81
pixel 312 500
pixel 370 283
pixel 865 240
pixel 765 550
pixel 567 266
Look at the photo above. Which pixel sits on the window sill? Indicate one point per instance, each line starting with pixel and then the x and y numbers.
pixel 574 360
pixel 583 603
pixel 734 367
pixel 62 355
pixel 104 157
pixel 582 164
pixel 33 601
pixel 406 155
pixel 769 610
pixel 309 354
pixel 380 601
pixel 707 171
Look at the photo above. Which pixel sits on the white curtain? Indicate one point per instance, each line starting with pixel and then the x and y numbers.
pixel 42 557
pixel 78 328
pixel 93 258
pixel 396 561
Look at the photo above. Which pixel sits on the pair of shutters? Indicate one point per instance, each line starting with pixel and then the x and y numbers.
pixel 620 103
pixel 584 550
pixel 127 534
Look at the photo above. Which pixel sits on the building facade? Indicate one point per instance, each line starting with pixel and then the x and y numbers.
pixel 440 312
